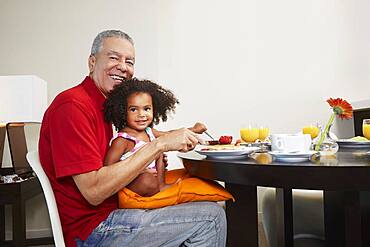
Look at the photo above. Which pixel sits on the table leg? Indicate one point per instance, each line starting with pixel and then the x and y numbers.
pixel 334 218
pixel 353 219
pixel 342 212
pixel 2 223
pixel 19 223
pixel 365 217
pixel 284 217
pixel 242 220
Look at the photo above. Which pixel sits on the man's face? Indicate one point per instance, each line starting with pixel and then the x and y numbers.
pixel 113 64
pixel 139 111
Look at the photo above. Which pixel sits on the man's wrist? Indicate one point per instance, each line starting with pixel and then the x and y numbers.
pixel 159 145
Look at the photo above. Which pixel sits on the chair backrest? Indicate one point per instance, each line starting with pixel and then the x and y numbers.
pixel 34 161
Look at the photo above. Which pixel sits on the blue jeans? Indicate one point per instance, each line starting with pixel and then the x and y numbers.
pixel 189 224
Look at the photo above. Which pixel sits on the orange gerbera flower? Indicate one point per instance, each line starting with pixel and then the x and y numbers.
pixel 341 108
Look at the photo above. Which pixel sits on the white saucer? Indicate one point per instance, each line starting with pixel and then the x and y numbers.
pixel 292 157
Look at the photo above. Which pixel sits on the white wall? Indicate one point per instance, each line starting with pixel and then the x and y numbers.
pixel 230 63
pixel 263 62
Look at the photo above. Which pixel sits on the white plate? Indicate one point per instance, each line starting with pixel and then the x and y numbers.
pixel 227 153
pixel 343 143
pixel 292 157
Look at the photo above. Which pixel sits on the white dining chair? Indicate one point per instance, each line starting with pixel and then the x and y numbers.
pixel 34 161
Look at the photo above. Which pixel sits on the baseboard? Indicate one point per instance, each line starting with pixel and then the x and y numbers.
pixel 33 233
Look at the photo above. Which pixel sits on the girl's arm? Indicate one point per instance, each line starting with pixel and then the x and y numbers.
pixel 161 169
pixel 158 133
pixel 118 147
pixel 198 128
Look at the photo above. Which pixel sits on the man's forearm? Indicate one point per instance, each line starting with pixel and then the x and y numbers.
pixel 96 186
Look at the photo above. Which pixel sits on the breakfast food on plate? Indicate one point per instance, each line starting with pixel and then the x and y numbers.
pixel 221 147
pixel 212 142
pixel 223 143
pixel 359 139
pixel 225 139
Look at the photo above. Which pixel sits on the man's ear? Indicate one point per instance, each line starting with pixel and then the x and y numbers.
pixel 91 62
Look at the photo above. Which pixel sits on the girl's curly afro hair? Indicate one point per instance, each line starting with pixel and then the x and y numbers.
pixel 115 107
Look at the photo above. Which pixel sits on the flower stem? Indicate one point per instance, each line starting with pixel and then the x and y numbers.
pixel 325 132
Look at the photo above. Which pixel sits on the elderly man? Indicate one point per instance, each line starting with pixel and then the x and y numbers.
pixel 73 142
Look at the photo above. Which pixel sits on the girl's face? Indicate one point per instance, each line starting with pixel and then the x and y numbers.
pixel 139 111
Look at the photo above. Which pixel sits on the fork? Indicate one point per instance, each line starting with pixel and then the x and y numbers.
pixel 205 132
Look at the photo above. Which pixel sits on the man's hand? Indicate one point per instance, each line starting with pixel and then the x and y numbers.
pixel 198 128
pixel 178 140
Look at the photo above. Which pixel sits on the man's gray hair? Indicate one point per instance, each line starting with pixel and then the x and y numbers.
pixel 98 41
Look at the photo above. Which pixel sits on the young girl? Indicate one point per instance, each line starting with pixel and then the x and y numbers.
pixel 133 107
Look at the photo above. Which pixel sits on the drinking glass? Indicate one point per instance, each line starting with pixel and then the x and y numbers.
pixel 366 128
pixel 249 134
pixel 263 133
pixel 313 130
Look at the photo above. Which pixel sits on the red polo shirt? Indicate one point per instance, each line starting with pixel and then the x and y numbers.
pixel 74 139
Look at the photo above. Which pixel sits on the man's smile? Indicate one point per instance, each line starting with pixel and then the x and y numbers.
pixel 117 78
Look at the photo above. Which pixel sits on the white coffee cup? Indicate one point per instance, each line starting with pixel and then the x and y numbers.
pixel 291 143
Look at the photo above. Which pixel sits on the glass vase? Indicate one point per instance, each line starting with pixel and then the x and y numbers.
pixel 328 147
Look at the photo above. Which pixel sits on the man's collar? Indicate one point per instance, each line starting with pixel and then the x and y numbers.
pixel 93 91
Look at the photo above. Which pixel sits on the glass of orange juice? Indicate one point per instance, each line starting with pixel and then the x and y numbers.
pixel 313 130
pixel 366 128
pixel 263 133
pixel 249 134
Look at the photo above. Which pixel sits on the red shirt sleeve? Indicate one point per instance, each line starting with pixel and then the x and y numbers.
pixel 73 141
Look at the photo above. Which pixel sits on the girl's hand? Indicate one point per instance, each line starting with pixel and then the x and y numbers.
pixel 165 159
pixel 152 171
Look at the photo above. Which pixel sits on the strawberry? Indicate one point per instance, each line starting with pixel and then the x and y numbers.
pixel 237 143
pixel 225 139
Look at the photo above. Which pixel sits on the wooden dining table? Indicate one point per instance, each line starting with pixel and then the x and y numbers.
pixel 343 178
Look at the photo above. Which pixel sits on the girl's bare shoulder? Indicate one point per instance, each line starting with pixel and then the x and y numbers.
pixel 122 144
